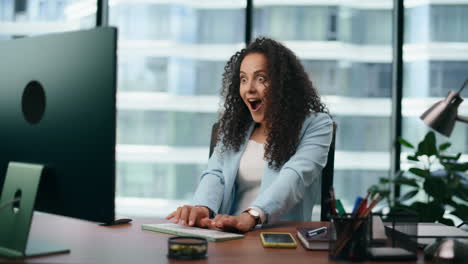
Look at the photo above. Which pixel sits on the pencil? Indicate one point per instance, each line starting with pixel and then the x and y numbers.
pixel 371 206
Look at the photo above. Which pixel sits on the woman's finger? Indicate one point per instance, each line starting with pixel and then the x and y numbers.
pixel 184 214
pixel 204 222
pixel 220 222
pixel 177 215
pixel 215 220
pixel 171 215
pixel 193 216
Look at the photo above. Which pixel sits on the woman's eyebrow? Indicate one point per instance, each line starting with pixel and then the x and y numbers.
pixel 255 73
pixel 259 71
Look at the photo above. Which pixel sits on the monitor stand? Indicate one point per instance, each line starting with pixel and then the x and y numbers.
pixel 16 213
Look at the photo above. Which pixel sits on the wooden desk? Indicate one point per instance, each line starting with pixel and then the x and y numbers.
pixel 91 243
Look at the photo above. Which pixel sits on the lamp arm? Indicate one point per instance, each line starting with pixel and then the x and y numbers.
pixel 463 86
pixel 463 119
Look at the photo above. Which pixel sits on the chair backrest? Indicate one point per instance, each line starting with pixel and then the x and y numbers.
pixel 214 137
pixel 327 172
pixel 327 179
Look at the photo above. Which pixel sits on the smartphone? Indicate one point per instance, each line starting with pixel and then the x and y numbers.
pixel 278 240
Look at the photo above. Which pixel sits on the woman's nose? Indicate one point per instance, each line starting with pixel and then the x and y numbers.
pixel 251 87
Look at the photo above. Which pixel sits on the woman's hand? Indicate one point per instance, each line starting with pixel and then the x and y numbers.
pixel 191 216
pixel 242 223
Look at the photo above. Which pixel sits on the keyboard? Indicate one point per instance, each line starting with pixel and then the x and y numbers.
pixel 181 230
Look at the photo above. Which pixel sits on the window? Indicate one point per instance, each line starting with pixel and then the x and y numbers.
pixel 435 62
pixel 19 18
pixel 171 60
pixel 345 47
pixel 171 56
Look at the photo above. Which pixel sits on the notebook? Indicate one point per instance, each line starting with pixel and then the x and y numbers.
pixel 181 230
pixel 428 232
pixel 318 242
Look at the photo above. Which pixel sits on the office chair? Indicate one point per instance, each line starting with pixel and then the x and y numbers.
pixel 327 179
pixel 327 172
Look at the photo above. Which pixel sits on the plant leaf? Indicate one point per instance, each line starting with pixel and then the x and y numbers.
pixel 461 211
pixel 384 193
pixel 399 209
pixel 428 212
pixel 428 145
pixel 462 194
pixel 374 189
pixel 406 181
pixel 436 188
pixel 444 146
pixel 384 180
pixel 446 221
pixel 459 166
pixel 408 195
pixel 405 143
pixel 420 172
pixel 413 158
pixel 449 157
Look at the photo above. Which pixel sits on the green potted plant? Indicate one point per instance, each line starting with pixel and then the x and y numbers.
pixel 444 188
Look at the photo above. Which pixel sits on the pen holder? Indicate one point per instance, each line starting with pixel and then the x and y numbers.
pixel 349 236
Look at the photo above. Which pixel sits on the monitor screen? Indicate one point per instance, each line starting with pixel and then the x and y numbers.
pixel 58 108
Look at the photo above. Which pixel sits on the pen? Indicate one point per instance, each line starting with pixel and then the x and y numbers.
pixel 362 206
pixel 367 211
pixel 317 231
pixel 357 204
pixel 340 207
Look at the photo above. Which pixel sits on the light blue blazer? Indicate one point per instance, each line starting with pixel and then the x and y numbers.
pixel 287 194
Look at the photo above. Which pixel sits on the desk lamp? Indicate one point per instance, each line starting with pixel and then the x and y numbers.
pixel 441 117
pixel 443 114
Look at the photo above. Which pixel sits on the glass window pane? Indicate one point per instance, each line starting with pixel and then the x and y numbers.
pixel 19 18
pixel 345 47
pixel 171 57
pixel 435 63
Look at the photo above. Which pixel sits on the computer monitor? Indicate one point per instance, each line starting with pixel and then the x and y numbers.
pixel 58 109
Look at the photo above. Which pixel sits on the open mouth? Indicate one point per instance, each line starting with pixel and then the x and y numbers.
pixel 255 104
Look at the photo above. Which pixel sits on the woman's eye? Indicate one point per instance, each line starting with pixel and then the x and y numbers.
pixel 243 80
pixel 261 79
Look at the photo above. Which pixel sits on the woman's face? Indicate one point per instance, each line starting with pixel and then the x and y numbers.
pixel 253 84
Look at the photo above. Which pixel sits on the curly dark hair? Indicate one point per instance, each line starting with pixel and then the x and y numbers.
pixel 291 98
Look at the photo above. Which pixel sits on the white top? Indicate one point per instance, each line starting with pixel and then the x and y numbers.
pixel 249 177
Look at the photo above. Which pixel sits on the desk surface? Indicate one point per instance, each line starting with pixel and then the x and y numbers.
pixel 91 243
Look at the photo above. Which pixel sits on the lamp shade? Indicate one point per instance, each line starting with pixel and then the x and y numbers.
pixel 443 114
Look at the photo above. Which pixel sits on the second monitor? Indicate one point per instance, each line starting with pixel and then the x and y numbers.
pixel 58 109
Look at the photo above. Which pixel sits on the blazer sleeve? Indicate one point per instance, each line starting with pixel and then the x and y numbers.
pixel 300 171
pixel 210 189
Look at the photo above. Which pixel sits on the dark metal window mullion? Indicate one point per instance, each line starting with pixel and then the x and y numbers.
pixel 397 87
pixel 248 22
pixel 102 11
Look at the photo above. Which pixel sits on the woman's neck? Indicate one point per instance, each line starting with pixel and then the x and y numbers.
pixel 260 133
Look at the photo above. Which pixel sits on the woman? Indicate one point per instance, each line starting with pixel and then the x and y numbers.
pixel 273 143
